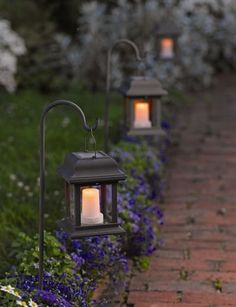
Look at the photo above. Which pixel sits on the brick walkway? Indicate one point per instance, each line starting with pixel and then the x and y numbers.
pixel 197 265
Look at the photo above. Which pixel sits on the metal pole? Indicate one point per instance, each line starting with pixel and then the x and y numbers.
pixel 42 171
pixel 108 85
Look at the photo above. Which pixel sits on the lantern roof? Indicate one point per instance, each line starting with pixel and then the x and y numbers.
pixel 168 27
pixel 143 87
pixel 87 167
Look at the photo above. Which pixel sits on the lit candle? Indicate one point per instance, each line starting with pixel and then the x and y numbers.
pixel 91 207
pixel 167 48
pixel 141 115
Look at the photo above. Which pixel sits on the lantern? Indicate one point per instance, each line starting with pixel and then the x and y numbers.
pixel 88 177
pixel 167 40
pixel 91 180
pixel 142 97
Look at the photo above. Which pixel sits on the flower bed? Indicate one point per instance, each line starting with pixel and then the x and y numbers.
pixel 73 268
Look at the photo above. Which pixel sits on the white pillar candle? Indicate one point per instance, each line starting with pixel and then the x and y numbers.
pixel 167 48
pixel 141 114
pixel 91 207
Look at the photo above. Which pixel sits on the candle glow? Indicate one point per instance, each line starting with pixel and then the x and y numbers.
pixel 141 112
pixel 91 207
pixel 167 48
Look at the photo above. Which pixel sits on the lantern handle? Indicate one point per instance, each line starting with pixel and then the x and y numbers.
pixel 109 54
pixel 94 143
pixel 42 170
pixel 108 82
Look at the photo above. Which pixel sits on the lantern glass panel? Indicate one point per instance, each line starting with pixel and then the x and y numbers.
pixel 91 205
pixel 167 48
pixel 70 200
pixel 142 113
pixel 97 204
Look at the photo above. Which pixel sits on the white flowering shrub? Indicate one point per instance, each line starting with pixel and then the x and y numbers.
pixel 207 40
pixel 11 46
pixel 10 296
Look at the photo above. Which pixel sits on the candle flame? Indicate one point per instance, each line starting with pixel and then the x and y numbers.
pixel 167 43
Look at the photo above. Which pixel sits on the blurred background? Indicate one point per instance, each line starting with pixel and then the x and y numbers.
pixel 58 49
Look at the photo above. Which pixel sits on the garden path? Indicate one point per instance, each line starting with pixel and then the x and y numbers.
pixel 196 267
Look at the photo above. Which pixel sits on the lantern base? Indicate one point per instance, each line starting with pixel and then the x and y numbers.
pixel 142 124
pixel 146 131
pixel 90 230
pixel 85 220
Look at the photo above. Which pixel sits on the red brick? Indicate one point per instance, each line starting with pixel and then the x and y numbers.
pixel 181 285
pixel 140 304
pixel 230 246
pixel 212 254
pixel 192 244
pixel 225 277
pixel 211 236
pixel 147 297
pixel 158 299
pixel 176 264
pixel 228 266
pixel 210 298
pixel 173 254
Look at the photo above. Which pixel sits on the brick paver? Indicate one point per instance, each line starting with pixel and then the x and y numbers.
pixel 196 267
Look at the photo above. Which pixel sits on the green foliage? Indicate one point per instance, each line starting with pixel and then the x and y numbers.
pixel 25 252
pixel 183 274
pixel 9 296
pixel 137 161
pixel 142 263
pixel 142 161
pixel 217 284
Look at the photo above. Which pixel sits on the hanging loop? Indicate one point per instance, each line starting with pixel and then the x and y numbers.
pixel 93 141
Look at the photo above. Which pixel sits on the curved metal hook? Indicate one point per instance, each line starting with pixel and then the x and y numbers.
pixel 75 107
pixel 118 42
pixel 130 43
pixel 108 83
pixel 42 170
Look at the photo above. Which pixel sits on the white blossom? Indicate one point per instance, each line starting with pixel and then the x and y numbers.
pixel 12 177
pixel 208 32
pixel 20 184
pixel 9 289
pixel 32 303
pixel 11 46
pixel 21 303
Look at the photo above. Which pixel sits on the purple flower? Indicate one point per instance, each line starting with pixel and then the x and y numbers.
pixel 51 299
pixel 165 125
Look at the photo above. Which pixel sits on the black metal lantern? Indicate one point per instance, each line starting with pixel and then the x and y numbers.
pixel 142 97
pixel 88 177
pixel 167 34
pixel 91 180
